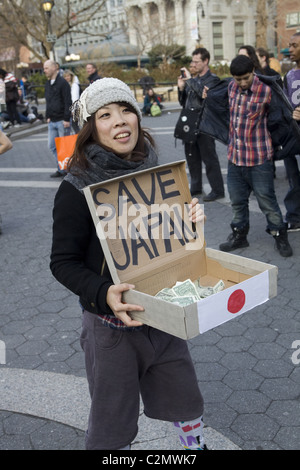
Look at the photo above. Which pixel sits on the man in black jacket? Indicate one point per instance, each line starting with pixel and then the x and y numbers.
pixel 92 73
pixel 190 97
pixel 58 104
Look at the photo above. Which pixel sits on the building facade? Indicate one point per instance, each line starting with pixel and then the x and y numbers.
pixel 221 26
pixel 288 23
pixel 132 27
pixel 94 34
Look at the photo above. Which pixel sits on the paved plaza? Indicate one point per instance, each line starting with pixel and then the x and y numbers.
pixel 248 369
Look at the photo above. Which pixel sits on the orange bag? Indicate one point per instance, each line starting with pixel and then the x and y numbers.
pixel 65 147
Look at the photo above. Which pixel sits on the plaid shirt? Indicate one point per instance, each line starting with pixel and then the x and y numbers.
pixel 249 139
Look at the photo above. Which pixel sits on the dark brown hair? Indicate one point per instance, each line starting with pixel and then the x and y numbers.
pixel 253 57
pixel 204 53
pixel 89 135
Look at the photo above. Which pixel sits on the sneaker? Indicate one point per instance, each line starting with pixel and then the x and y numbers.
pixel 212 196
pixel 293 227
pixel 6 124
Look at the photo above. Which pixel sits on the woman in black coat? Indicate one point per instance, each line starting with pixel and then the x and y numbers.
pixel 124 358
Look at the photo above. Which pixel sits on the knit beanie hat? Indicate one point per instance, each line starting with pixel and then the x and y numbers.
pixel 100 93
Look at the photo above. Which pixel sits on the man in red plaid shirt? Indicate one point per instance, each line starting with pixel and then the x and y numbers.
pixel 250 153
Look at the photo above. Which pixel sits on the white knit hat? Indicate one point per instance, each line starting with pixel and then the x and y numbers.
pixel 100 93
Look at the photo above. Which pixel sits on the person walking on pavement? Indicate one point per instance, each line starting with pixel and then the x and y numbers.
pixel 123 357
pixel 58 104
pixel 92 73
pixel 292 89
pixel 73 81
pixel 204 149
pixel 5 145
pixel 250 153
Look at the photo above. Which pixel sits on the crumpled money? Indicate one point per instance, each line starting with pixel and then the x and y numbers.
pixel 187 292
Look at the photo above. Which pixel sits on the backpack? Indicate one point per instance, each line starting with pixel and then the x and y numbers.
pixel 155 110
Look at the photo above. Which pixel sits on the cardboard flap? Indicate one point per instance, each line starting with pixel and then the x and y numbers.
pixel 142 221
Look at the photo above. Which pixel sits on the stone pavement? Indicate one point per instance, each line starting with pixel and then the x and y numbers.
pixel 247 368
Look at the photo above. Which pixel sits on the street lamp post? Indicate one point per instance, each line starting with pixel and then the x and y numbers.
pixel 200 7
pixel 47 7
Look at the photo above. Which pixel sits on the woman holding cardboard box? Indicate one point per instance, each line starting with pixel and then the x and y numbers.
pixel 124 358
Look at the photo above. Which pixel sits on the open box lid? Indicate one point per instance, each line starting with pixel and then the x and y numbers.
pixel 142 221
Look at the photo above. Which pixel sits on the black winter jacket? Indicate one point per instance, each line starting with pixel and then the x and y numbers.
pixel 191 96
pixel 93 77
pixel 11 92
pixel 77 258
pixel 284 130
pixel 58 100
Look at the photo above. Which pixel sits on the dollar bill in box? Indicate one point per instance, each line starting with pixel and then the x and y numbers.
pixel 143 226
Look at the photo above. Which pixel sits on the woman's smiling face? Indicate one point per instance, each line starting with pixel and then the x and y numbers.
pixel 117 128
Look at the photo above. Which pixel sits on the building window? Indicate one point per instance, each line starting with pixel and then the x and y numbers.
pixel 292 20
pixel 218 41
pixel 239 35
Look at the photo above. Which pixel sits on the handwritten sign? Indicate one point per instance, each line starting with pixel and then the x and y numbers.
pixel 143 217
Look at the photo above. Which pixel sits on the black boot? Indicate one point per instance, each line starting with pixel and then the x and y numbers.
pixel 237 239
pixel 282 243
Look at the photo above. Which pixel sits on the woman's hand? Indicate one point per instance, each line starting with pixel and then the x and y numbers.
pixel 196 213
pixel 120 309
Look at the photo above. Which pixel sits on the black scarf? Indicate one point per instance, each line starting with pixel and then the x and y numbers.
pixel 105 165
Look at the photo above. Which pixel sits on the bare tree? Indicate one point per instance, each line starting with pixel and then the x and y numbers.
pixel 262 24
pixel 152 31
pixel 144 34
pixel 28 22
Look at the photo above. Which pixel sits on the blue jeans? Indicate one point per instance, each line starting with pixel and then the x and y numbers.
pixel 292 199
pixel 241 181
pixel 56 129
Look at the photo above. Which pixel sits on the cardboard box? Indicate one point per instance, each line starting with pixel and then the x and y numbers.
pixel 142 223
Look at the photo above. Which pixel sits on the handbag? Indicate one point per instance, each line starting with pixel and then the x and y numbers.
pixel 187 126
pixel 65 148
pixel 155 110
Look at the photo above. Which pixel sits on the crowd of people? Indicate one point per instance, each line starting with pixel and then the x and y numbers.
pixel 125 358
pixel 250 114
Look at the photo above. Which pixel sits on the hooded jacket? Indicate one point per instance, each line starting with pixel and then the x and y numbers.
pixel 284 130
